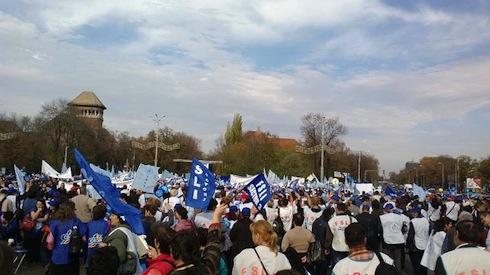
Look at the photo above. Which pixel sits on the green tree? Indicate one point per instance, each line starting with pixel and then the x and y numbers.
pixel 234 132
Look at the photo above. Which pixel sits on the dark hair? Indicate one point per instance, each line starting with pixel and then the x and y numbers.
pixel 185 247
pixel 98 212
pixel 327 214
pixel 182 212
pixel 163 235
pixel 341 207
pixel 212 205
pixel 283 202
pixel 467 231
pixel 355 235
pixel 65 211
pixel 288 272
pixel 103 261
pixel 150 208
pixel 298 219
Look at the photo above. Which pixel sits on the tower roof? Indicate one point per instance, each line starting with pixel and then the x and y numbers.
pixel 87 98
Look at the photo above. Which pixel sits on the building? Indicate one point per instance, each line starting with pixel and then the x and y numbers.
pixel 88 107
pixel 282 143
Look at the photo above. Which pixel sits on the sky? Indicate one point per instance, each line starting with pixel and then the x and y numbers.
pixel 407 78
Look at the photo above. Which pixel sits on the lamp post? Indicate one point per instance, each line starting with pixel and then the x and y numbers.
pixel 157 120
pixel 442 174
pixel 359 167
pixel 322 149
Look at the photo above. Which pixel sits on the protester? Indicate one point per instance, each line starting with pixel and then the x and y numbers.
pixel 83 206
pixel 64 225
pixel 335 237
pixel 103 261
pixel 264 258
pixel 392 231
pixel 160 261
pixel 467 258
pixel 186 251
pixel 372 227
pixel 240 234
pixel 418 235
pixel 360 260
pixel 298 238
pixel 97 229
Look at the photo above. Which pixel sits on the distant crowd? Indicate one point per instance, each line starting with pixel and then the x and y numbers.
pixel 310 231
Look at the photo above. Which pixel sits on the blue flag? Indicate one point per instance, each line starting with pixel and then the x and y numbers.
pixel 389 191
pixel 110 194
pixel 21 183
pixel 201 186
pixel 419 191
pixel 259 191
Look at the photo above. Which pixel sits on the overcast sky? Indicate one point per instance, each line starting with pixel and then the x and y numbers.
pixel 408 78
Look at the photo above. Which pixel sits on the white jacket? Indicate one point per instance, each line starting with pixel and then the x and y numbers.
pixel 421 228
pixel 247 262
pixel 433 250
pixel 337 226
pixel 348 266
pixel 392 228
pixel 466 260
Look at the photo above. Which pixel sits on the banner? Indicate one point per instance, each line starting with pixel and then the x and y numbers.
pixel 389 191
pixel 259 191
pixel 419 191
pixel 473 183
pixel 110 194
pixel 101 171
pixel 50 172
pixel 237 180
pixel 201 186
pixel 146 178
pixel 21 183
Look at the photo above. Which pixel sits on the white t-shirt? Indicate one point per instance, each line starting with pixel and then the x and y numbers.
pixel 346 266
pixel 247 262
pixel 271 213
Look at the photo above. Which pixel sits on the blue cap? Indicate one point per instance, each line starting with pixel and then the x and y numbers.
pixel 389 205
pixel 54 202
pixel 233 208
pixel 246 212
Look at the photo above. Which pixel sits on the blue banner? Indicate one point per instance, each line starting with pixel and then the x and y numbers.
pixel 259 191
pixel 201 186
pixel 110 194
pixel 389 191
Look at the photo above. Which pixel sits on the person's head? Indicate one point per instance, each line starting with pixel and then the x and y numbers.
pixel 163 238
pixel 341 208
pixel 41 204
pixel 65 211
pixel 355 236
pixel 443 224
pixel 212 205
pixel 116 220
pixel 7 217
pixel 466 232
pixel 98 212
pixel 485 218
pixel 153 202
pixel 298 219
pixel 103 261
pixel 263 234
pixel 388 207
pixel 149 210
pixel 283 202
pixel 365 208
pixel 185 248
pixel 314 202
pixel 327 213
pixel 181 213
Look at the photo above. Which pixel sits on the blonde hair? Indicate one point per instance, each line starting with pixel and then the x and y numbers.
pixel 264 231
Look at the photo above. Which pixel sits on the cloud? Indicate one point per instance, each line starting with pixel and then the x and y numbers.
pixel 185 59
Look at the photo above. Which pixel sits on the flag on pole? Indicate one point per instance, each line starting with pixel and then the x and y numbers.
pixel 21 182
pixel 389 191
pixel 110 194
pixel 201 186
pixel 259 191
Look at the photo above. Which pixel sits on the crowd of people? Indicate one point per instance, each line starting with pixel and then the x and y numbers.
pixel 310 231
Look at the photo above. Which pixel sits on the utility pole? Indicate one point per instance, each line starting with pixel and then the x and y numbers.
pixel 66 154
pixel 359 167
pixel 442 175
pixel 157 120
pixel 322 149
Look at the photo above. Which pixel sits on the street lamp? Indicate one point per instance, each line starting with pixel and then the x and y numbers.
pixel 157 120
pixel 442 174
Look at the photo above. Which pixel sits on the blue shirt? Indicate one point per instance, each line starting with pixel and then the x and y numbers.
pixel 96 232
pixel 61 231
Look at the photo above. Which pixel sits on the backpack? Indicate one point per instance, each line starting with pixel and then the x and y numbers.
pixel 75 244
pixel 315 252
pixel 384 268
pixel 278 226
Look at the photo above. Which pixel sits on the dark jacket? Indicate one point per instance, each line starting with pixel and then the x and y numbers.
pixel 372 225
pixel 210 257
pixel 119 240
pixel 241 236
